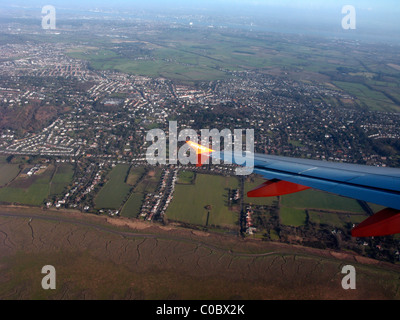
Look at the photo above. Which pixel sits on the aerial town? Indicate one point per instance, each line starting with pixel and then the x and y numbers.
pixel 112 116
pixel 65 111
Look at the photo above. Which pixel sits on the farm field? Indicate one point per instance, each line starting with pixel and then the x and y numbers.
pixel 8 172
pixel 132 207
pixel 29 190
pixel 334 219
pixel 190 201
pixel 341 210
pixel 292 217
pixel 373 99
pixel 145 181
pixel 135 173
pixel 150 181
pixel 174 54
pixel 61 179
pixel 320 200
pixel 112 195
pixel 185 177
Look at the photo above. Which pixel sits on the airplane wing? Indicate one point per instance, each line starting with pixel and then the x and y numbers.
pixel 286 175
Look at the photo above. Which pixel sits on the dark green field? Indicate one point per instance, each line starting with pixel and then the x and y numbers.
pixel 8 172
pixel 132 207
pixel 61 179
pixel 191 201
pixel 145 181
pixel 292 217
pixel 186 177
pixel 28 190
pixel 112 195
pixel 335 219
pixel 317 199
pixel 373 99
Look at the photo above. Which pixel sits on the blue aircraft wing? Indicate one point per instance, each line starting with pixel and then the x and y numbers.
pixel 379 185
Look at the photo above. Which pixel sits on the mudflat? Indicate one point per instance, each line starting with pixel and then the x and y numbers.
pixel 98 257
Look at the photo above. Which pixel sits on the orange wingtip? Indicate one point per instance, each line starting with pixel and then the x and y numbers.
pixel 201 151
pixel 199 148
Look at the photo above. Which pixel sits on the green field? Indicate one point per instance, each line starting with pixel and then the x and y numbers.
pixel 31 191
pixel 112 195
pixel 186 177
pixel 334 219
pixel 159 66
pixel 7 173
pixel 62 178
pixel 134 175
pixel 207 55
pixel 190 201
pixel 132 207
pixel 320 200
pixel 146 181
pixel 150 182
pixel 292 217
pixel 373 99
pixel 211 56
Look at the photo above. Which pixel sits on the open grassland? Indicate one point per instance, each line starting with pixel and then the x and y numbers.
pixel 29 190
pixel 186 177
pixel 211 56
pixel 135 173
pixel 8 172
pixel 62 178
pixel 132 207
pixel 112 195
pixel 36 189
pixel 321 200
pixel 323 208
pixel 336 220
pixel 374 100
pixel 150 181
pixel 209 193
pixel 94 261
pixel 145 181
pixel 292 217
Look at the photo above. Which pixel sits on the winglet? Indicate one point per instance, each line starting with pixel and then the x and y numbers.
pixel 273 188
pixel 383 223
pixel 201 152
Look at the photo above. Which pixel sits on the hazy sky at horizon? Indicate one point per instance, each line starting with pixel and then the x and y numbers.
pixel 375 17
pixel 388 4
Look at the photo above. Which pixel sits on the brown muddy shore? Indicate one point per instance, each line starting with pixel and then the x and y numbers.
pixel 98 257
